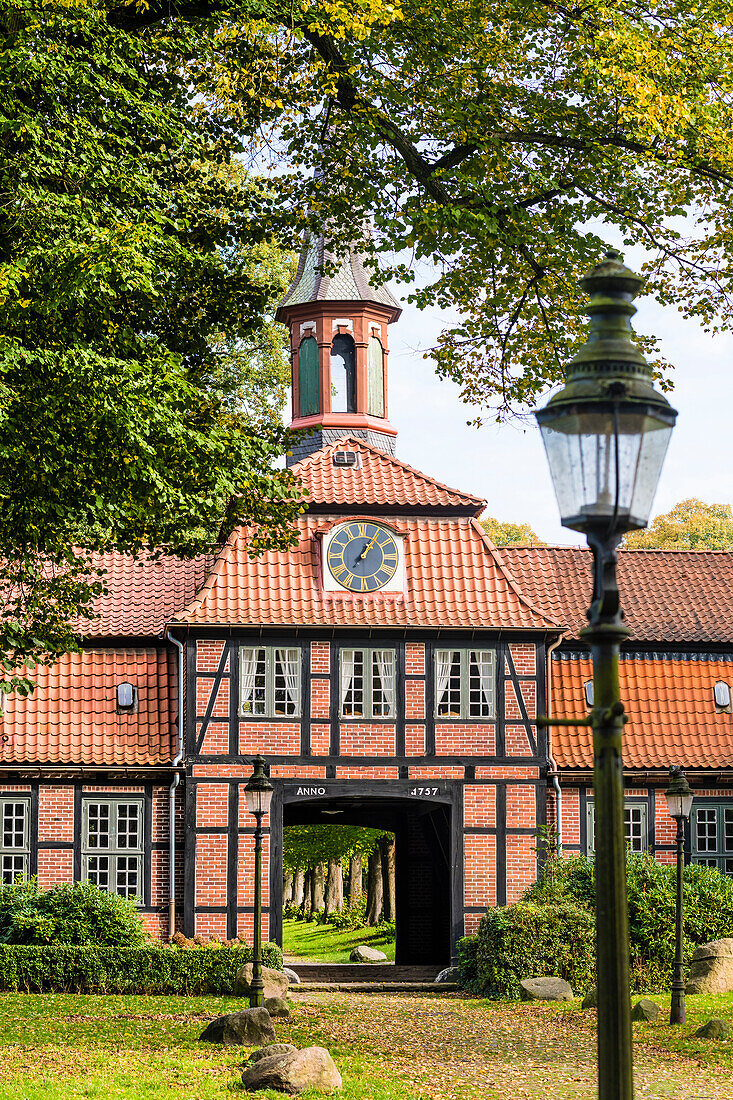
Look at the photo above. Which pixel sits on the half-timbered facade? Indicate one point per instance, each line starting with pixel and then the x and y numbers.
pixel 390 667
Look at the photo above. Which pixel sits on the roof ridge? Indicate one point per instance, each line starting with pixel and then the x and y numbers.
pixel 390 459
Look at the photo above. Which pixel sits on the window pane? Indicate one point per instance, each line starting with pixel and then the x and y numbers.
pixel 448 683
pixel 98 825
pixel 126 879
pixel 14 825
pixel 634 819
pixel 352 683
pixel 287 681
pixel 481 683
pixel 706 862
pixel 728 866
pixel 13 868
pixel 383 661
pixel 707 830
pixel 128 826
pixel 728 829
pixel 98 871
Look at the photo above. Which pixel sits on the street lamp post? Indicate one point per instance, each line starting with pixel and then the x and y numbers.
pixel 258 793
pixel 606 433
pixel 679 803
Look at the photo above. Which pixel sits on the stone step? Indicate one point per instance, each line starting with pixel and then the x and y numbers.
pixel 355 973
pixel 373 987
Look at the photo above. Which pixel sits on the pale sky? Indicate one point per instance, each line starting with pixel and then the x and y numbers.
pixel 506 464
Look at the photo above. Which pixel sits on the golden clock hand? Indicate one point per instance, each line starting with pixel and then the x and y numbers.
pixel 368 547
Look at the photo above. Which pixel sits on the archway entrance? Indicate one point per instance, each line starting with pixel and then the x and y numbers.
pixel 425 820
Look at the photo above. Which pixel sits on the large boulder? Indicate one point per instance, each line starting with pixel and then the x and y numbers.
pixel 591 998
pixel 364 954
pixel 276 982
pixel 450 974
pixel 291 975
pixel 250 1028
pixel 645 1009
pixel 277 1006
pixel 711 969
pixel 545 989
pixel 272 1050
pixel 715 1029
pixel 310 1068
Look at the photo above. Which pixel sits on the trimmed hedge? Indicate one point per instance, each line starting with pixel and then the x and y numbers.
pixel 467 969
pixel 525 940
pixel 141 970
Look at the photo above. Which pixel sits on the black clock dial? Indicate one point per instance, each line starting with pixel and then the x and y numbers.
pixel 362 556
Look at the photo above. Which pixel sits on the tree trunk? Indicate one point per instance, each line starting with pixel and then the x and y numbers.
pixel 374 888
pixel 298 886
pixel 387 852
pixel 318 877
pixel 356 865
pixel 334 900
pixel 287 887
pixel 307 891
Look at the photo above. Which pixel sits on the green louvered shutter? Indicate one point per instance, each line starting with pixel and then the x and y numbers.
pixel 375 377
pixel 308 364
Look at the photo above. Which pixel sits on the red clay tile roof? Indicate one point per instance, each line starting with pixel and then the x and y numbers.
pixel 673 596
pixel 380 480
pixel 71 717
pixel 142 594
pixel 673 717
pixel 453 579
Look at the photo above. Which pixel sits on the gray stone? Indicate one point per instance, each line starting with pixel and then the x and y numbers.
pixel 310 1068
pixel 276 1006
pixel 450 974
pixel 276 982
pixel 250 1028
pixel 545 989
pixel 591 998
pixel 645 1009
pixel 364 954
pixel 711 969
pixel 272 1050
pixel 715 1029
pixel 291 976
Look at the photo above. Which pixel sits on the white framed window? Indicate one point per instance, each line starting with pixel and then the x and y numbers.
pixel 712 835
pixel 14 838
pixel 635 823
pixel 367 688
pixel 465 683
pixel 269 681
pixel 112 845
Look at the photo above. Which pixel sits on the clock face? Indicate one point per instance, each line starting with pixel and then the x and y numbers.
pixel 362 556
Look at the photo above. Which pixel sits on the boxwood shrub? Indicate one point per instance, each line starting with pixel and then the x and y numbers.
pixel 141 970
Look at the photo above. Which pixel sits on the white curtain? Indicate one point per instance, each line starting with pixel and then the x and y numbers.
pixel 384 659
pixel 347 674
pixel 443 662
pixel 485 661
pixel 290 665
pixel 247 673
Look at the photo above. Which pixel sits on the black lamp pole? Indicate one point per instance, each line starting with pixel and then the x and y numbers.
pixel 606 433
pixel 258 793
pixel 679 801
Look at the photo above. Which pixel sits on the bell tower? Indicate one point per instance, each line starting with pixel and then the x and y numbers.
pixel 338 344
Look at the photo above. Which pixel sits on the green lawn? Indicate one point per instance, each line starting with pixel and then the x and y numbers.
pixel 387 1047
pixel 324 943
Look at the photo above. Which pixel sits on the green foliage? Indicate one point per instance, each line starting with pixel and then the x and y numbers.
pixel 78 914
pixel 169 970
pixel 136 264
pixel 467 967
pixel 690 525
pixel 526 940
pixel 510 534
pixel 306 846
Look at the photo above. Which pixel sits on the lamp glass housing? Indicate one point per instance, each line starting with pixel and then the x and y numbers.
pixel 258 789
pixel 679 798
pixel 605 461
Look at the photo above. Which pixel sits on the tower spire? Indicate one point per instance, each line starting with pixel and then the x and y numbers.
pixel 338 339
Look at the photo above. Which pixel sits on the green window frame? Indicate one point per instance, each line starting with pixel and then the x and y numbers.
pixel 375 377
pixel 308 377
pixel 14 838
pixel 113 845
pixel 367 685
pixel 711 829
pixel 465 684
pixel 636 825
pixel 269 681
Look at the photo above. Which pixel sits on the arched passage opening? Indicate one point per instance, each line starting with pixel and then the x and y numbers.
pixel 428 870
